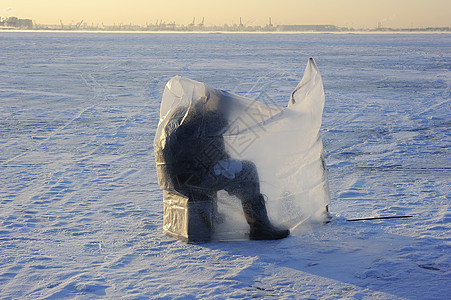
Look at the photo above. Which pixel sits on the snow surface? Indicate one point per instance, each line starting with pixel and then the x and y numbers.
pixel 81 211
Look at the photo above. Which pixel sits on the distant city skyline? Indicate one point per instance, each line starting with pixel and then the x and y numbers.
pixel 344 13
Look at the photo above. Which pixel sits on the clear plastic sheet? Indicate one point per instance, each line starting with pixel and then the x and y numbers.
pixel 213 149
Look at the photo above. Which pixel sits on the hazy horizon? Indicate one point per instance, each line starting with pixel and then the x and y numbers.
pixel 344 13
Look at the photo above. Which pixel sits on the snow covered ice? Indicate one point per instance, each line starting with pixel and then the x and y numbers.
pixel 81 210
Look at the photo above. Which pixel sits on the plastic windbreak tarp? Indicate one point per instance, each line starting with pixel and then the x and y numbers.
pixel 206 138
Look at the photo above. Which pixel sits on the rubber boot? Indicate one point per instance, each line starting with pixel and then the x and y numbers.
pixel 260 226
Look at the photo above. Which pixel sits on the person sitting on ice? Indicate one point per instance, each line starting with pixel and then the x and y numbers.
pixel 197 163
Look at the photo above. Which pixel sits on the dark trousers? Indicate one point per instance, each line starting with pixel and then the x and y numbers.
pixel 244 184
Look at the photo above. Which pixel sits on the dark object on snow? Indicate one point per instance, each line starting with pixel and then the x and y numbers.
pixel 196 165
pixel 379 218
pixel 218 153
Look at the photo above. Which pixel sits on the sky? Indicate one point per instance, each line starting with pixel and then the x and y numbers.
pixel 344 13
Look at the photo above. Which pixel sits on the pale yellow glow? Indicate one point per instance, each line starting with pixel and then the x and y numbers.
pixel 353 13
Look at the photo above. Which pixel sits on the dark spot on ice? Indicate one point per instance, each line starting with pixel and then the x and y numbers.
pixel 429 267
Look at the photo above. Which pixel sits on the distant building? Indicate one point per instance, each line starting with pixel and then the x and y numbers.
pixel 15 22
pixel 307 28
